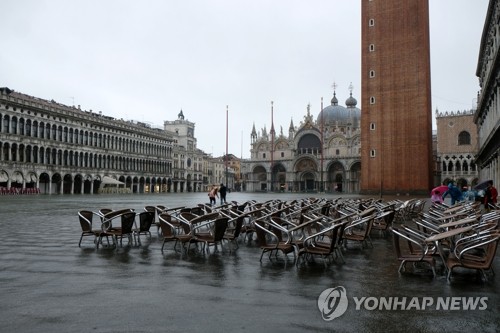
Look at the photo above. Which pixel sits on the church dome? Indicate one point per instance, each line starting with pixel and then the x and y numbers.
pixel 339 115
pixel 351 101
pixel 335 101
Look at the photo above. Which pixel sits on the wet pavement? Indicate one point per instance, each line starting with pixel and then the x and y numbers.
pixel 49 284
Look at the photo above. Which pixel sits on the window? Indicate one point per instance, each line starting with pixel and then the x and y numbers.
pixel 372 73
pixel 372 153
pixel 371 22
pixel 465 166
pixel 282 154
pixel 464 138
pixel 6 124
pixel 372 126
pixel 337 152
pixel 264 155
pixel 372 100
pixel 14 125
pixel 372 47
pixel 28 127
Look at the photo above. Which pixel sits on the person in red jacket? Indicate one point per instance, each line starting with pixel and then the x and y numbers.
pixel 490 195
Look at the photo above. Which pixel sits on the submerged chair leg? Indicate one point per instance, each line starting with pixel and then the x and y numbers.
pixel 338 252
pixel 324 260
pixel 401 266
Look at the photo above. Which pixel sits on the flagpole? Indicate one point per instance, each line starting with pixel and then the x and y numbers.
pixel 322 146
pixel 272 143
pixel 227 128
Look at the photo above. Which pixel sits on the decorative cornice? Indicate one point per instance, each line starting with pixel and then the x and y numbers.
pixel 455 113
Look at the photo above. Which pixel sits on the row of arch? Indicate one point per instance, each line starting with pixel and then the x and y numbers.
pixel 79 183
pixel 462 183
pixel 312 141
pixel 46 130
pixel 306 176
pixel 311 144
pixel 458 165
pixel 14 152
pixel 58 183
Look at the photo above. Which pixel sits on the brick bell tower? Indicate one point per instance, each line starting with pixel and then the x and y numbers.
pixel 396 120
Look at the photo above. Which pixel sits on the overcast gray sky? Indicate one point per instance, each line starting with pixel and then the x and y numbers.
pixel 147 60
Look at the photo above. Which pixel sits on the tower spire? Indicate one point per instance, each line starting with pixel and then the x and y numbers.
pixel 335 101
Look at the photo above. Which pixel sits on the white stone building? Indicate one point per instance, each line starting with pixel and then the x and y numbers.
pixel 322 154
pixel 487 116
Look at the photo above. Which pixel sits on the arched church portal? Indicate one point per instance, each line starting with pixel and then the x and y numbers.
pixel 307 182
pixel 336 177
pixel 278 178
pixel 260 177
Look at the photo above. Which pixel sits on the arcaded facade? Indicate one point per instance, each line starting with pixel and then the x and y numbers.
pixel 487 116
pixel 396 125
pixel 322 154
pixel 48 147
pixel 457 146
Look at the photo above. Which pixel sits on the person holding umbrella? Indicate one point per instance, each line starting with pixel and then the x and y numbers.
pixel 437 193
pixel 454 192
pixel 436 196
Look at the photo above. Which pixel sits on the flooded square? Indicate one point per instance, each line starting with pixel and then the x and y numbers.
pixel 49 284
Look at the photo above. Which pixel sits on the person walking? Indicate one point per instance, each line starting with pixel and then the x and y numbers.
pixel 213 195
pixel 436 197
pixel 454 192
pixel 223 191
pixel 490 195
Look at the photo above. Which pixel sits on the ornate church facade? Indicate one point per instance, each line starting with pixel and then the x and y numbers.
pixel 322 154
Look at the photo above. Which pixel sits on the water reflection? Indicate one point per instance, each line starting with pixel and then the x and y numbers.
pixel 47 281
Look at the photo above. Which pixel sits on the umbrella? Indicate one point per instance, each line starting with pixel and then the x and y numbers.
pixel 111 181
pixel 482 185
pixel 440 188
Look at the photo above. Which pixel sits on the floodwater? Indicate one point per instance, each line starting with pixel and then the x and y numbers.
pixel 49 284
